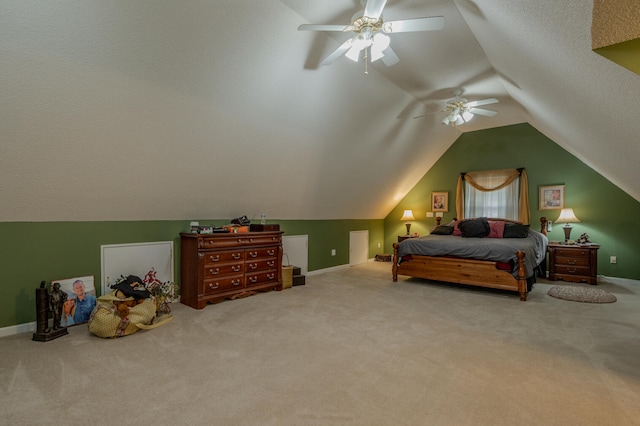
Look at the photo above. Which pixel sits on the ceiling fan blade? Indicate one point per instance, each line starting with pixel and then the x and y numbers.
pixel 482 102
pixel 433 23
pixel 314 27
pixel 390 58
pixel 373 9
pixel 427 114
pixel 337 53
pixel 485 112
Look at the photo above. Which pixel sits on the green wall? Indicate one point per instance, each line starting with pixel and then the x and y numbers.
pixel 35 251
pixel 607 214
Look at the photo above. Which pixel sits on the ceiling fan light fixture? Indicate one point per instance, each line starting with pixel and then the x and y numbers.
pixel 353 53
pixel 467 116
pixel 376 54
pixel 379 45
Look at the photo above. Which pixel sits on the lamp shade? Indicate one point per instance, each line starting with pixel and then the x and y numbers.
pixel 567 216
pixel 408 215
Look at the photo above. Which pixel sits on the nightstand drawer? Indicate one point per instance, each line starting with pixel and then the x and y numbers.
pixel 573 252
pixel 573 261
pixel 572 270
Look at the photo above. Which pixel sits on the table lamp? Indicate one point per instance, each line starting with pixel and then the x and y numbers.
pixel 567 217
pixel 408 217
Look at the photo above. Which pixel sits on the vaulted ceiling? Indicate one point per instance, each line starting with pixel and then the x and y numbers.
pixel 119 110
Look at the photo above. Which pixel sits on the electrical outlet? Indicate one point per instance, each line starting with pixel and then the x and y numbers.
pixel 429 214
pixel 333 252
pixel 378 245
pixel 614 259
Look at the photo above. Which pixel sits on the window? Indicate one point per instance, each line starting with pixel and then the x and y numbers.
pixel 493 193
pixel 502 203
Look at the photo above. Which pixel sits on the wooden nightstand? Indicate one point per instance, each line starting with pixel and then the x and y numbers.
pixel 575 263
pixel 404 237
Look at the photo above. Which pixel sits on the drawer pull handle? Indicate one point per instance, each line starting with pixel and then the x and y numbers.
pixel 271 276
pixel 571 262
pixel 235 282
pixel 214 259
pixel 271 252
pixel 253 279
pixel 213 287
pixel 236 268
pixel 250 240
pixel 271 264
pixel 571 271
pixel 214 271
pixel 253 253
pixel 236 256
pixel 253 266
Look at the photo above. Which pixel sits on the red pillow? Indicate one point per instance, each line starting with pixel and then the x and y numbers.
pixel 497 229
pixel 456 229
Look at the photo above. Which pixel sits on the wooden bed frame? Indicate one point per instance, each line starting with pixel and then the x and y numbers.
pixel 480 273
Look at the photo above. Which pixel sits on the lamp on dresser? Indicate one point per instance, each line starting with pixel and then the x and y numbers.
pixel 408 217
pixel 567 216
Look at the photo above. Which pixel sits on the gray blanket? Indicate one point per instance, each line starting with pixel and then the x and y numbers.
pixel 493 249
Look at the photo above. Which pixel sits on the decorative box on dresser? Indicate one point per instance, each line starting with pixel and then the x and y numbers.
pixel 214 267
pixel 575 263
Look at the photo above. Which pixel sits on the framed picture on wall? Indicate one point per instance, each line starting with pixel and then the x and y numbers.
pixel 551 197
pixel 439 201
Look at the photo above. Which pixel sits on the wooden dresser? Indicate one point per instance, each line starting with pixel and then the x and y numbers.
pixel 214 267
pixel 573 263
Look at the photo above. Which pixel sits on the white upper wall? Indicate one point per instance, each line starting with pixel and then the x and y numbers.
pixel 120 110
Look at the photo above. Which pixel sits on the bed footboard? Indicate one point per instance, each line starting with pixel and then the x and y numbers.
pixel 479 273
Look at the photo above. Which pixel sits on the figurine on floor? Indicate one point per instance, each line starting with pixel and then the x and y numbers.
pixel 57 298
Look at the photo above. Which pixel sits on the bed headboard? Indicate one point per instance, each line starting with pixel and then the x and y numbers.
pixel 543 225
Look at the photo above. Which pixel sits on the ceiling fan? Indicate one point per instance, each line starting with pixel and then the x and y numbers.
pixel 370 38
pixel 461 111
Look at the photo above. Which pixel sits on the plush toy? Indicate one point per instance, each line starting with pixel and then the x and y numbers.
pixel 123 306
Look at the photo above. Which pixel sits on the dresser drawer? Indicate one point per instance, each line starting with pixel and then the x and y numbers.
pixel 564 252
pixel 222 284
pixel 212 258
pixel 573 261
pixel 261 253
pixel 221 270
pixel 230 240
pixel 261 239
pixel 260 265
pixel 261 278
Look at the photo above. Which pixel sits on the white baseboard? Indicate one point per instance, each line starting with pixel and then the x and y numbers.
pixel 29 327
pixel 322 271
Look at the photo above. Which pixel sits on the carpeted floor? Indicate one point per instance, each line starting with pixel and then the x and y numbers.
pixel 348 348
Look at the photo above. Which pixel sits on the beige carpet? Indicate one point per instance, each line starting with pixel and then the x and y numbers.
pixel 349 348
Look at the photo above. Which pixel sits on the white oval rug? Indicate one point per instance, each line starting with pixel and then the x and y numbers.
pixel 581 294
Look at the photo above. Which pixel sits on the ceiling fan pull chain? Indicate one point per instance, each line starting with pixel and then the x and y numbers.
pixel 366 62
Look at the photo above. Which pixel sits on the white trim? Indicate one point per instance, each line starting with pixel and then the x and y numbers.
pixel 28 327
pixel 333 268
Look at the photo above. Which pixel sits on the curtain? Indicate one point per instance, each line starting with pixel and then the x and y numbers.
pixel 495 180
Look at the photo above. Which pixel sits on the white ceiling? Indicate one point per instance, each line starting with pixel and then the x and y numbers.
pixel 118 110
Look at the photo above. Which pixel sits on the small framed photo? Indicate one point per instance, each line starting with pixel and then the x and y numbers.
pixel 439 201
pixel 80 300
pixel 551 197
